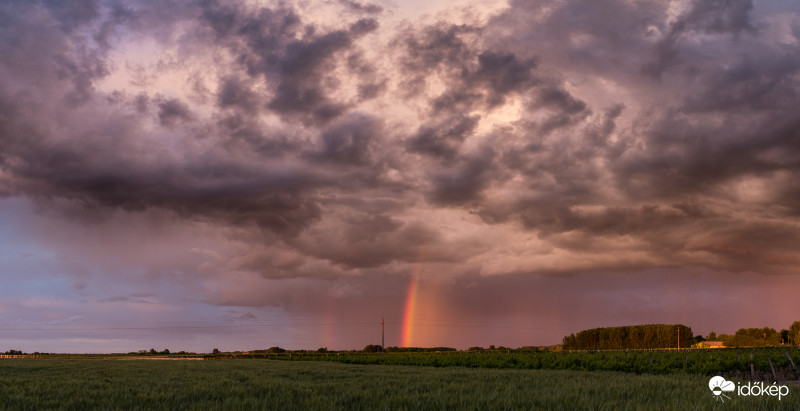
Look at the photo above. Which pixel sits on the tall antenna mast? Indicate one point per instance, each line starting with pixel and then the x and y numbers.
pixel 383 333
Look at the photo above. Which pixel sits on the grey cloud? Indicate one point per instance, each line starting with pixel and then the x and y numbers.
pixel 495 77
pixel 435 45
pixel 608 37
pixel 716 16
pixel 695 153
pixel 295 61
pixel 729 124
pixel 594 230
pixel 761 80
pixel 503 73
pixel 603 151
pixel 443 138
pixel 463 183
pixel 53 59
pixel 352 141
pixel 236 93
pixel 475 77
pixel 721 16
pixel 432 48
pixel 247 134
pixel 332 176
pixel 372 82
pixel 371 90
pixel 74 14
pixel 567 110
pixel 374 240
pixel 301 93
pixel 368 8
pixel 219 185
pixel 126 299
pixel 173 110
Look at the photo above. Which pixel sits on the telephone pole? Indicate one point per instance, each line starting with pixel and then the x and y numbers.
pixel 383 333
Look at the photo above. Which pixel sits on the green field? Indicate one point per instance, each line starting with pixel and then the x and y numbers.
pixel 263 384
pixel 761 364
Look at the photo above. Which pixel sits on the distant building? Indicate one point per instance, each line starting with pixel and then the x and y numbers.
pixel 714 344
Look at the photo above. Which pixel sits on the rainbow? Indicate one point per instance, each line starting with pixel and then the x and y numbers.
pixel 411 303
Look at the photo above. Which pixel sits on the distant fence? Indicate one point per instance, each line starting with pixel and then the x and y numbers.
pixel 18 356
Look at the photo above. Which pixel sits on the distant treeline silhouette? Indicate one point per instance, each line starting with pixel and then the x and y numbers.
pixel 631 337
pixel 759 337
pixel 377 348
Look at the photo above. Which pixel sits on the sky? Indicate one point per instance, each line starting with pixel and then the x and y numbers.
pixel 199 174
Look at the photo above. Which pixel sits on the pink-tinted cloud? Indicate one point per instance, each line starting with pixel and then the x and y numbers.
pixel 552 166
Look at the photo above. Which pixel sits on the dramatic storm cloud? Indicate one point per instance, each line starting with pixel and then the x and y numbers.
pixel 244 174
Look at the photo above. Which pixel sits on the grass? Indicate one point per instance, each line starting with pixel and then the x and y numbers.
pixel 261 384
pixel 725 362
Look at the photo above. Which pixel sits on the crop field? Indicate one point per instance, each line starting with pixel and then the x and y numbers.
pixel 760 364
pixel 29 384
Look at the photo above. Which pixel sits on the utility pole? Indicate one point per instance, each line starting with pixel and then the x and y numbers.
pixel 383 334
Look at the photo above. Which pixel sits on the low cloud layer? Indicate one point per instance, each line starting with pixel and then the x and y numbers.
pixel 326 151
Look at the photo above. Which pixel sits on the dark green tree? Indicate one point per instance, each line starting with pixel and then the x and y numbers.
pixel 794 333
pixel 633 337
pixel 372 348
pixel 755 337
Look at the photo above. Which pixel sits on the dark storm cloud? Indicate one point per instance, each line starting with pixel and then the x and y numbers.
pixel 463 183
pixel 738 123
pixel 606 37
pixel 172 110
pixel 351 142
pixel 727 125
pixel 697 153
pixel 711 17
pixel 238 94
pixel 566 109
pixel 433 48
pixel 721 16
pixel 368 8
pixel 298 63
pixel 567 164
pixel 103 164
pixel 583 124
pixel 373 240
pixel 488 84
pixel 443 138
pixel 74 14
pixel 45 53
pixel 247 134
pixel 474 78
pixel 477 80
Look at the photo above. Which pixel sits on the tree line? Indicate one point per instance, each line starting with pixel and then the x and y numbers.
pixel 667 335
pixel 759 337
pixel 631 337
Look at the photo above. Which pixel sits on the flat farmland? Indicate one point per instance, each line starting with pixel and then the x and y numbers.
pixel 28 384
